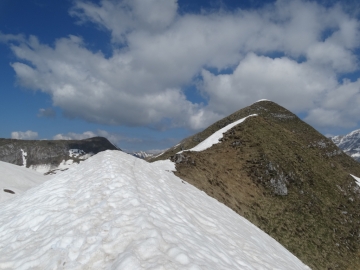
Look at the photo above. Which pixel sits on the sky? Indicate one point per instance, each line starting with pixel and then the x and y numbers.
pixel 148 73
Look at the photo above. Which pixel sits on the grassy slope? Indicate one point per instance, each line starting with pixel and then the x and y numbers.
pixel 318 218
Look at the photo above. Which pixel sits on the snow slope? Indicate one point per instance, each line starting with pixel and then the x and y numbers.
pixel 115 211
pixel 215 137
pixel 17 179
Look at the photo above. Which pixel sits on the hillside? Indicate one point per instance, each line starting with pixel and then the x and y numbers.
pixel 349 143
pixel 47 156
pixel 283 176
pixel 115 211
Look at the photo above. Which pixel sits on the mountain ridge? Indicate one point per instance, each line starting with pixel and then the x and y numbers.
pixel 285 177
pixel 115 211
pixel 47 156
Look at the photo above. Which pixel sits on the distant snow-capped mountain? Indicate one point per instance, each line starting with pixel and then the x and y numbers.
pixel 147 154
pixel 142 154
pixel 349 143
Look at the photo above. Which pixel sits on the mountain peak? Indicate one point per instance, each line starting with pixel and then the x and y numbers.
pixel 265 108
pixel 283 176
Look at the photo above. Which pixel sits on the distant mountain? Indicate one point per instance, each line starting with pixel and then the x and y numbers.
pixel 349 143
pixel 142 154
pixel 51 156
pixel 115 211
pixel 283 176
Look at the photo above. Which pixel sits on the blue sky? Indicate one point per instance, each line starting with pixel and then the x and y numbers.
pixel 147 73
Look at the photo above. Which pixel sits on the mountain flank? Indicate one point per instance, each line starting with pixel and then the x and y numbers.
pixel 284 177
pixel 47 155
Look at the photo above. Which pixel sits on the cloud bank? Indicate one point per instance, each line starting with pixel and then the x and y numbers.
pixel 299 54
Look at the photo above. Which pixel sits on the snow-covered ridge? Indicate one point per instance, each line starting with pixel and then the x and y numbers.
pixel 215 137
pixel 115 211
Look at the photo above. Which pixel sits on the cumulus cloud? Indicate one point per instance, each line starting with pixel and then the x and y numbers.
pixel 27 135
pixel 4 38
pixel 75 136
pixel 48 113
pixel 297 85
pixel 291 52
pixel 340 107
pixel 122 17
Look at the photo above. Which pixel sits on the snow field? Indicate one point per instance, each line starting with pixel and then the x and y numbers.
pixel 115 211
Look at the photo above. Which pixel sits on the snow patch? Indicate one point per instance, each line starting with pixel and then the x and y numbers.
pixel 215 137
pixel 357 179
pixel 24 156
pixel 166 165
pixel 76 152
pixel 115 211
pixel 75 156
pixel 42 168
pixel 261 100
pixel 80 154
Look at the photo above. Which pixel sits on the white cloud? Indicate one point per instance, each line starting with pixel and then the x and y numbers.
pixel 122 17
pixel 27 135
pixel 298 86
pixel 339 108
pixel 158 51
pixel 75 136
pixel 4 38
